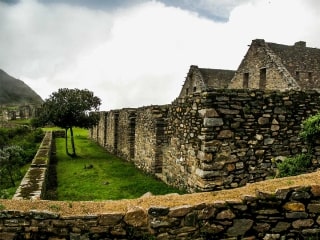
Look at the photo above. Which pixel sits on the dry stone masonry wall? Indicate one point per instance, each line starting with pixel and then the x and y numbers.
pixel 212 140
pixel 290 213
pixel 33 185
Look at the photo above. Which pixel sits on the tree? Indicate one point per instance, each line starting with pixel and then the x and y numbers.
pixel 68 108
pixel 10 162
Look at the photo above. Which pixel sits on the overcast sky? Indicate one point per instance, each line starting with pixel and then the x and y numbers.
pixel 134 53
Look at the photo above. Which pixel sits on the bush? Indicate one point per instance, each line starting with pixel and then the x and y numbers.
pixel 311 129
pixel 296 165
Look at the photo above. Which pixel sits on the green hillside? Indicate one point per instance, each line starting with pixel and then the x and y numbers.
pixel 14 91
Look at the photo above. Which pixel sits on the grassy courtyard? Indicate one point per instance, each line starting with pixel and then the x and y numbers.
pixel 98 175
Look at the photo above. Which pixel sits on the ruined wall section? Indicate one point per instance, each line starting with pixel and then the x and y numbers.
pixel 150 138
pixel 214 140
pixel 101 132
pixel 227 138
pixel 126 134
pixel 112 131
pixel 182 132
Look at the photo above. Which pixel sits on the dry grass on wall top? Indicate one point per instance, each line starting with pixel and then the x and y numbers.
pixel 66 208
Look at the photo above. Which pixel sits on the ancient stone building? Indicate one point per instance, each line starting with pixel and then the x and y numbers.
pixel 278 67
pixel 199 79
pixel 213 137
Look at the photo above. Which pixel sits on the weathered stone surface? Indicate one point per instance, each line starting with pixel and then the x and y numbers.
pixel 225 134
pixel 263 121
pixel 295 215
pixel 208 113
pixel 212 122
pixel 136 217
pixel 240 227
pixel 315 190
pixel 226 214
pixel 294 207
pixel 281 227
pixel 303 223
pixel 180 211
pixel 314 207
pixel 110 219
pixel 211 228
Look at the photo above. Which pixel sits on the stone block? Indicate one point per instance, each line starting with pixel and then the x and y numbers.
pixel 136 217
pixel 212 122
pixel 180 211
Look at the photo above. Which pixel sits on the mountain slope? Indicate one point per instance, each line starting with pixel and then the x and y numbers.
pixel 15 91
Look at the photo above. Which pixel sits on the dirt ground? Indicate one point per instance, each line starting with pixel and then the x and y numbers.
pixel 66 208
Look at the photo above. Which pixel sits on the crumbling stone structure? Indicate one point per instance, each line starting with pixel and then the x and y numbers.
pixel 226 128
pixel 212 140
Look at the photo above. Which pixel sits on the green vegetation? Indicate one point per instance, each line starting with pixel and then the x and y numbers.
pixel 98 175
pixel 293 166
pixel 17 149
pixel 69 108
pixel 311 129
pixel 298 164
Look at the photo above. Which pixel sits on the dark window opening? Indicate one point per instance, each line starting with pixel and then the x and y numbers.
pixel 194 89
pixel 297 75
pixel 246 80
pixel 309 76
pixel 263 78
pixel 187 91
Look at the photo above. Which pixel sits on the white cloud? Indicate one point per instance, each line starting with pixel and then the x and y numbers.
pixel 138 55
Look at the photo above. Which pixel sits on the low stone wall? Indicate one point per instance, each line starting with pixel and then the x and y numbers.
pixel 33 185
pixel 291 213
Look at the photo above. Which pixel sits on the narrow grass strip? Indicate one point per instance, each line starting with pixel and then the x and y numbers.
pixel 98 175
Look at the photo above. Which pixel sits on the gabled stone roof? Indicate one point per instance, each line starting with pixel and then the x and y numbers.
pixel 299 58
pixel 216 78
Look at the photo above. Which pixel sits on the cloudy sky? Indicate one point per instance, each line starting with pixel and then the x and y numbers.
pixel 134 53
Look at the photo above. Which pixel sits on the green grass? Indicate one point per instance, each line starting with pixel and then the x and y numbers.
pixel 109 178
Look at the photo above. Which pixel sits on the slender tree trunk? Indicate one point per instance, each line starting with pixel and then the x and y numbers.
pixel 66 140
pixel 72 143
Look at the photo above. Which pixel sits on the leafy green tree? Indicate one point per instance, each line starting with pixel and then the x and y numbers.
pixel 10 162
pixel 68 108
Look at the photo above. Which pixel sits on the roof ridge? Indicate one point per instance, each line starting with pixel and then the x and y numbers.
pixel 292 83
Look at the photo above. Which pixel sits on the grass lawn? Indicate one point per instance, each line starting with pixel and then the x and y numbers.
pixel 110 178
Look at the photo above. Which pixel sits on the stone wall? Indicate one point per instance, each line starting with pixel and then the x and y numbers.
pixel 291 213
pixel 126 136
pixel 150 137
pixel 217 139
pixel 33 184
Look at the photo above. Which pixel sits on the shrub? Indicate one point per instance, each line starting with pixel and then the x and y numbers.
pixel 311 129
pixel 296 165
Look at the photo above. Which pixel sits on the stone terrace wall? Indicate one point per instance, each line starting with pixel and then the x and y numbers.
pixel 217 139
pixel 292 213
pixel 33 185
